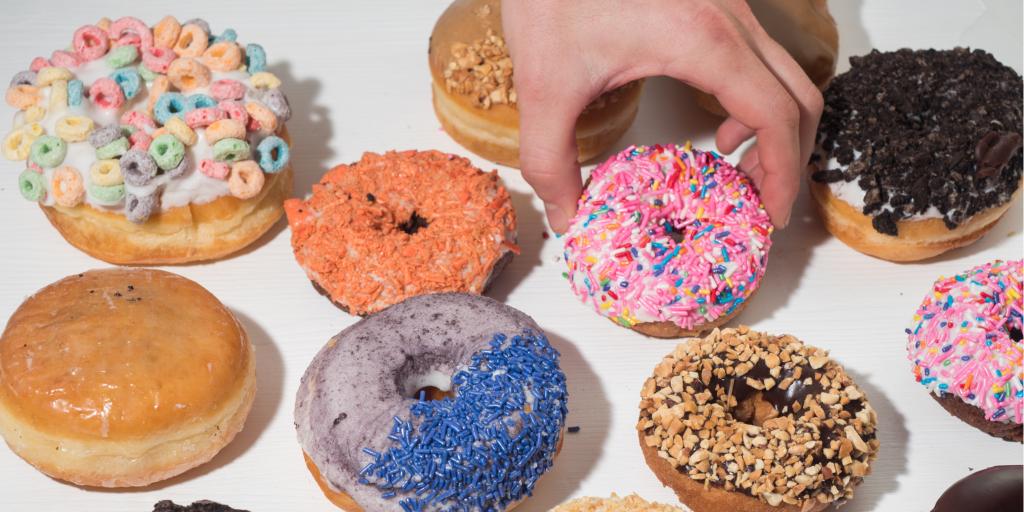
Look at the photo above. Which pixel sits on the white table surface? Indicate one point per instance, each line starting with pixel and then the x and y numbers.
pixel 357 77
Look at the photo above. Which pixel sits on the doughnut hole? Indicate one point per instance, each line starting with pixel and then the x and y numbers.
pixel 755 410
pixel 420 377
pixel 413 224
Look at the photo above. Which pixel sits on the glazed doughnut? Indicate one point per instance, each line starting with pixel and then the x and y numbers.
pixel 391 226
pixel 742 420
pixel 965 344
pixel 902 173
pixel 111 106
pixel 669 241
pixel 631 503
pixel 474 97
pixel 994 489
pixel 805 29
pixel 123 377
pixel 481 446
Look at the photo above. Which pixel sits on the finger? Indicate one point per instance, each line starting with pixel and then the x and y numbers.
pixel 731 134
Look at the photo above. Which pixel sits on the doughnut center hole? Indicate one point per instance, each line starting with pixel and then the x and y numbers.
pixel 1015 334
pixel 754 410
pixel 675 234
pixel 414 224
pixel 431 394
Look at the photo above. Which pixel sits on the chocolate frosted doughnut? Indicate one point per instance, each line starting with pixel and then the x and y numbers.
pixel 357 418
pixel 994 489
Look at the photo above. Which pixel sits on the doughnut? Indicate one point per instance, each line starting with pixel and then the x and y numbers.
pixel 123 377
pixel 490 426
pixel 388 227
pixel 965 345
pixel 904 174
pixel 994 489
pixel 631 503
pixel 135 94
pixel 668 241
pixel 196 506
pixel 474 97
pixel 742 420
pixel 805 29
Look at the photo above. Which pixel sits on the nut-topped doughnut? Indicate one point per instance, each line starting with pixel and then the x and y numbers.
pixel 742 420
pixel 391 226
pixel 137 104
pixel 668 240
pixel 965 344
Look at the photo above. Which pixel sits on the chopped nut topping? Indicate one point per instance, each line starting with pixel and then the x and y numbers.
pixel 763 415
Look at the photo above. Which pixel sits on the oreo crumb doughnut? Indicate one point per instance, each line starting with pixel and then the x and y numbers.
pixel 482 445
pixel 631 503
pixel 668 241
pixel 196 506
pixel 475 99
pixel 741 420
pixel 153 145
pixel 391 226
pixel 123 377
pixel 919 151
pixel 965 344
pixel 994 489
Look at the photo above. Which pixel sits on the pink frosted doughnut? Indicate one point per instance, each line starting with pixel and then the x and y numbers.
pixel 670 237
pixel 129 26
pixel 65 59
pixel 90 42
pixel 227 89
pixel 966 341
pixel 138 120
pixel 105 93
pixel 158 59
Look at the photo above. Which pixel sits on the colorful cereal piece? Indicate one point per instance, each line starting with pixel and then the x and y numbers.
pixel 261 117
pixel 140 140
pixel 192 41
pixel 264 80
pixel 273 154
pixel 203 117
pixel 195 101
pixel 216 170
pixel 129 81
pixel 114 149
pixel 48 151
pixel 50 74
pixel 228 35
pixel 246 179
pixel 177 127
pixel 223 56
pixel 34 114
pixel 129 26
pixel 158 59
pixel 27 77
pixel 65 59
pixel 138 209
pixel 166 32
pixel 255 58
pixel 167 151
pixel 227 89
pixel 73 128
pixel 104 24
pixel 38 64
pixel 187 74
pixel 180 169
pixel 32 185
pixel 201 23
pixel 90 42
pixel 235 110
pixel 75 89
pixel 231 150
pixel 67 187
pixel 18 145
pixel 104 135
pixel 122 56
pixel 138 120
pixel 105 93
pixel 224 129
pixel 106 172
pixel 170 104
pixel 138 167
pixel 277 102
pixel 22 97
pixel 106 195
pixel 58 95
pixel 147 74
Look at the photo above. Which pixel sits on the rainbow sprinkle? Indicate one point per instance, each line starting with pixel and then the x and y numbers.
pixel 667 233
pixel 966 339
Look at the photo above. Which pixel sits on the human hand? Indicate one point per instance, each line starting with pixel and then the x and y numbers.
pixel 567 52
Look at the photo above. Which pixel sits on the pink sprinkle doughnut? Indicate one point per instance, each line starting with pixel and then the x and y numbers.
pixel 90 42
pixel 966 339
pixel 139 120
pixel 129 26
pixel 203 117
pixel 158 59
pixel 38 63
pixel 667 234
pixel 214 169
pixel 235 110
pixel 105 93
pixel 65 59
pixel 140 140
pixel 227 89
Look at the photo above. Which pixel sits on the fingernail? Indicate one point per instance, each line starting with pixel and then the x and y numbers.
pixel 557 217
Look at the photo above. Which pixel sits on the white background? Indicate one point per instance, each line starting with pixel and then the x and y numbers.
pixel 357 77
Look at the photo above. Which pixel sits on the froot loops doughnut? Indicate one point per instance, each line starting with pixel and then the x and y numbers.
pixel 668 240
pixel 965 345
pixel 152 95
